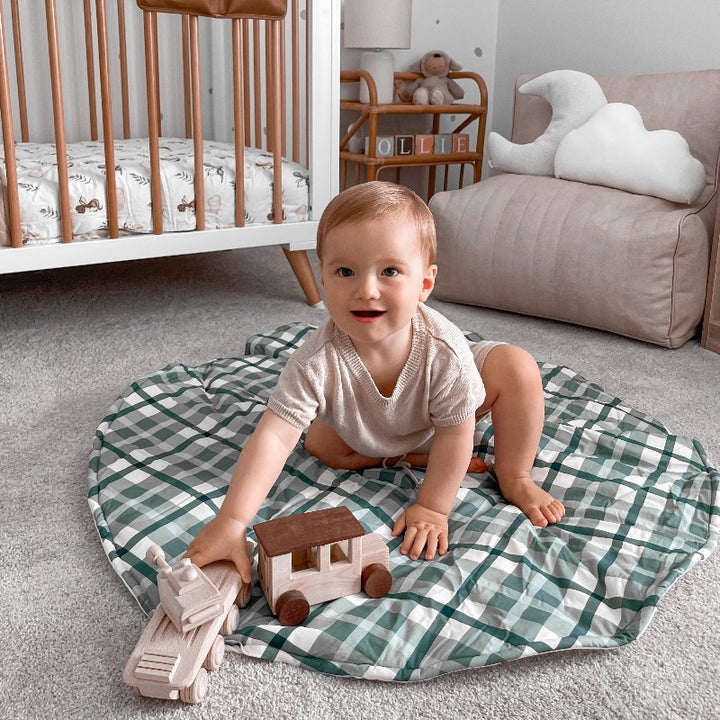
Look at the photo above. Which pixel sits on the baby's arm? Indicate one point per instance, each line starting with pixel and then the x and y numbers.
pixel 425 522
pixel 257 469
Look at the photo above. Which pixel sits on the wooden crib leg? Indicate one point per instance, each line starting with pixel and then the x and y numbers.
pixel 300 265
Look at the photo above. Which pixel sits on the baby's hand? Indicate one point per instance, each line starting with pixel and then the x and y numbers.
pixel 423 529
pixel 222 539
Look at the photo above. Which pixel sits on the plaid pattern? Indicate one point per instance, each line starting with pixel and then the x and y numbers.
pixel 642 508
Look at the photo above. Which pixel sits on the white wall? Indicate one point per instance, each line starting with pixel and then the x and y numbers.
pixel 601 37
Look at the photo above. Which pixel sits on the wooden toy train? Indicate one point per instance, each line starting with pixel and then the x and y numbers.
pixel 303 560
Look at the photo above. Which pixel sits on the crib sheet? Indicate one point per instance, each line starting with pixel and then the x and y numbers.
pixel 642 508
pixel 38 188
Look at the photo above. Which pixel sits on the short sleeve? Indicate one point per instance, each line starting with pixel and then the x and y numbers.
pixel 457 391
pixel 296 397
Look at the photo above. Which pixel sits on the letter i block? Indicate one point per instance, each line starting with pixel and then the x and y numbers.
pixel 404 144
pixel 460 143
pixel 443 144
pixel 424 144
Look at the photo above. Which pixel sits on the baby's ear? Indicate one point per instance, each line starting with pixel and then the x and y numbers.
pixel 428 282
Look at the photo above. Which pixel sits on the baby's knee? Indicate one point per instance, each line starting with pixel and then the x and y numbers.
pixel 509 367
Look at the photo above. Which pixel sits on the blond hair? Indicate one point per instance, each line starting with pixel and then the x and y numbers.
pixel 379 200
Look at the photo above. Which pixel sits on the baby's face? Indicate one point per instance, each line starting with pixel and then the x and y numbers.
pixel 374 275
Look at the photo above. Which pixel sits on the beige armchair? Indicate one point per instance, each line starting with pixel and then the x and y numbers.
pixel 631 264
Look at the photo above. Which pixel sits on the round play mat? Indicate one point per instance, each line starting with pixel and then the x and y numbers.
pixel 642 508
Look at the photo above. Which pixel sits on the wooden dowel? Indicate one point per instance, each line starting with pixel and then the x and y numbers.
pixel 269 88
pixel 197 123
pixel 59 121
pixel 124 91
pixel 256 84
pixel 153 108
pixel 239 131
pixel 282 84
pixel 274 120
pixel 90 69
pixel 295 50
pixel 103 60
pixel 13 201
pixel 247 126
pixel 185 19
pixel 20 71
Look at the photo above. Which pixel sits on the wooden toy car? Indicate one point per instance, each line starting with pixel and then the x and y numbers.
pixel 317 556
pixel 172 663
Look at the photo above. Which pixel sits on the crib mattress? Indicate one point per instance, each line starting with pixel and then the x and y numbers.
pixel 38 188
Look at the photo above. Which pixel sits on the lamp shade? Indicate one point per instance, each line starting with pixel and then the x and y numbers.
pixel 378 23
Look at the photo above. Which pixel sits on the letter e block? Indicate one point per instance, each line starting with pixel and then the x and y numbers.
pixel 424 144
pixel 443 144
pixel 460 143
pixel 404 144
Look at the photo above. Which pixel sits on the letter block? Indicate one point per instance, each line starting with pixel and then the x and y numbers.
pixel 404 144
pixel 460 143
pixel 424 144
pixel 443 144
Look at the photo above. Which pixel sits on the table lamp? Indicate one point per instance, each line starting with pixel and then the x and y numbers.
pixel 376 26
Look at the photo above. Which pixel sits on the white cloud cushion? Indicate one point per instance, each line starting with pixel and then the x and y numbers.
pixel 614 148
pixel 574 96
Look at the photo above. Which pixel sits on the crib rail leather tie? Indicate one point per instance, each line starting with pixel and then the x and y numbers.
pixel 263 9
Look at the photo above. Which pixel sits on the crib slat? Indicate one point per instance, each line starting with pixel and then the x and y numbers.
pixel 246 80
pixel 110 185
pixel 20 71
pixel 153 109
pixel 59 121
pixel 295 53
pixel 256 84
pixel 274 115
pixel 238 103
pixel 124 92
pixel 197 124
pixel 13 201
pixel 186 73
pixel 90 68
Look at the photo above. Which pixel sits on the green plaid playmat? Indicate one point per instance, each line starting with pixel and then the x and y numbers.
pixel 642 508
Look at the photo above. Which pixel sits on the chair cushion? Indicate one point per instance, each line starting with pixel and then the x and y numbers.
pixel 596 256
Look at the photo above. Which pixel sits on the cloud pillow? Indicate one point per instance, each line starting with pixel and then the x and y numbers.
pixel 614 148
pixel 593 141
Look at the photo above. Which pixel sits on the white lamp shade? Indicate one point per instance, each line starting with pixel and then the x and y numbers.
pixel 378 23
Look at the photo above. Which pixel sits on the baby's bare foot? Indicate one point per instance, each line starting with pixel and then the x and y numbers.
pixel 477 465
pixel 540 507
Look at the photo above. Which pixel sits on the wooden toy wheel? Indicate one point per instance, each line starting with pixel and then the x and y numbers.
pixel 197 690
pixel 243 597
pixel 217 652
pixel 231 622
pixel 292 608
pixel 376 580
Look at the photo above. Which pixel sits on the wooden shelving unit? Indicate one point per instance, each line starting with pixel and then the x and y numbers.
pixel 470 119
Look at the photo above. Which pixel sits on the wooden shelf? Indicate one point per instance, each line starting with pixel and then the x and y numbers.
pixel 366 123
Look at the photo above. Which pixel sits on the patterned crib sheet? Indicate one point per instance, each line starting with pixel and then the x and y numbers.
pixel 642 508
pixel 38 188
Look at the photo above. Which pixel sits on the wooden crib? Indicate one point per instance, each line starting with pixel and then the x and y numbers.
pixel 174 102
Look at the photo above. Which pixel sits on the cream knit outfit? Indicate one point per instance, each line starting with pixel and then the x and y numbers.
pixel 325 378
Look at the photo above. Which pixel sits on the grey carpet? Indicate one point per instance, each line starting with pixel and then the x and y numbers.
pixel 72 339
